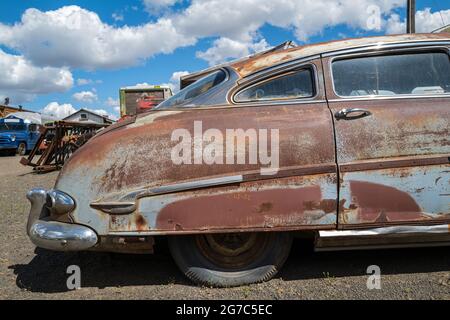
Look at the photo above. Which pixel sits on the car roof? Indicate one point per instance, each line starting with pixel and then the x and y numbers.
pixel 259 62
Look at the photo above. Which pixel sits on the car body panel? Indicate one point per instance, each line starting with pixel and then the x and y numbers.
pixel 394 164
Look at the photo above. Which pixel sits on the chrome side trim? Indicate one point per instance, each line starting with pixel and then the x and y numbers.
pixel 434 229
pixel 384 246
pixel 127 203
pixel 384 238
pixel 197 184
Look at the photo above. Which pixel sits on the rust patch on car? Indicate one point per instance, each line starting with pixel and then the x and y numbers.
pixel 248 209
pixel 326 205
pixel 141 223
pixel 376 203
pixel 266 206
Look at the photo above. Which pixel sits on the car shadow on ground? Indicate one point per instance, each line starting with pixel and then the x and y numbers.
pixel 304 263
pixel 47 271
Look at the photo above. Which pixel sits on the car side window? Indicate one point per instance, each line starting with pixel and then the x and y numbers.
pixel 294 85
pixel 421 73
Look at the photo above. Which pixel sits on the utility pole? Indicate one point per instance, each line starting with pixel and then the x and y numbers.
pixel 411 17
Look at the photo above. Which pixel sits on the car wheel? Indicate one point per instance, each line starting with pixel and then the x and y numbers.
pixel 228 260
pixel 22 149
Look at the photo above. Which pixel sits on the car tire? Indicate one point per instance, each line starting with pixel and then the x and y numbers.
pixel 22 149
pixel 219 261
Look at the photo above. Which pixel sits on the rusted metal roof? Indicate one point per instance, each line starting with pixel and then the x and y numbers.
pixel 256 63
pixel 249 65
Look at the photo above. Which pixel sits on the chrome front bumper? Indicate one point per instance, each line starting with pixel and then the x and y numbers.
pixel 52 235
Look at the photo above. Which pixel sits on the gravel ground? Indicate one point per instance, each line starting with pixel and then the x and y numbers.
pixel 30 273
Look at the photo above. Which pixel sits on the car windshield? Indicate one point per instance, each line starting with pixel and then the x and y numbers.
pixel 12 127
pixel 194 90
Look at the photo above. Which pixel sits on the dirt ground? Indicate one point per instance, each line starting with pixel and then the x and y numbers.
pixel 30 273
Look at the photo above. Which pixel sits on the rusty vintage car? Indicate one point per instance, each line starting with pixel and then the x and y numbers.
pixel 361 131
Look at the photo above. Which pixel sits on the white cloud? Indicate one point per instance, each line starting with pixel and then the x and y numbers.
pixel 115 105
pixel 157 6
pixel 22 81
pixel 16 97
pixel 175 78
pixel 174 82
pixel 19 74
pixel 224 49
pixel 241 21
pixel 84 82
pixel 426 21
pixel 75 37
pixel 59 111
pixel 86 96
pixel 111 102
pixel 117 17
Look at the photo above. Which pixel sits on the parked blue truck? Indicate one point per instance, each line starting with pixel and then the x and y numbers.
pixel 19 133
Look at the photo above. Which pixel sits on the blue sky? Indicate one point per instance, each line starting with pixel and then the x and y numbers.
pixel 195 35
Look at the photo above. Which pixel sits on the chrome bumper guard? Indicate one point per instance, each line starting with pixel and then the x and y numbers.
pixel 52 235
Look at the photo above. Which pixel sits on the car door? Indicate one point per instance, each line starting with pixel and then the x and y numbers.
pixel 391 112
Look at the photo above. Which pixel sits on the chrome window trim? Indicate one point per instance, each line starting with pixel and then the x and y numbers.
pixel 244 105
pixel 311 70
pixel 384 45
pixel 372 98
pixel 272 74
pixel 188 106
pixel 270 103
pixel 381 52
pixel 275 69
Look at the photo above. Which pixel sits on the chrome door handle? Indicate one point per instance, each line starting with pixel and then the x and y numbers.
pixel 344 114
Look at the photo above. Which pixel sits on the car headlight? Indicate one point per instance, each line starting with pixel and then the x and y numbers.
pixel 13 138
